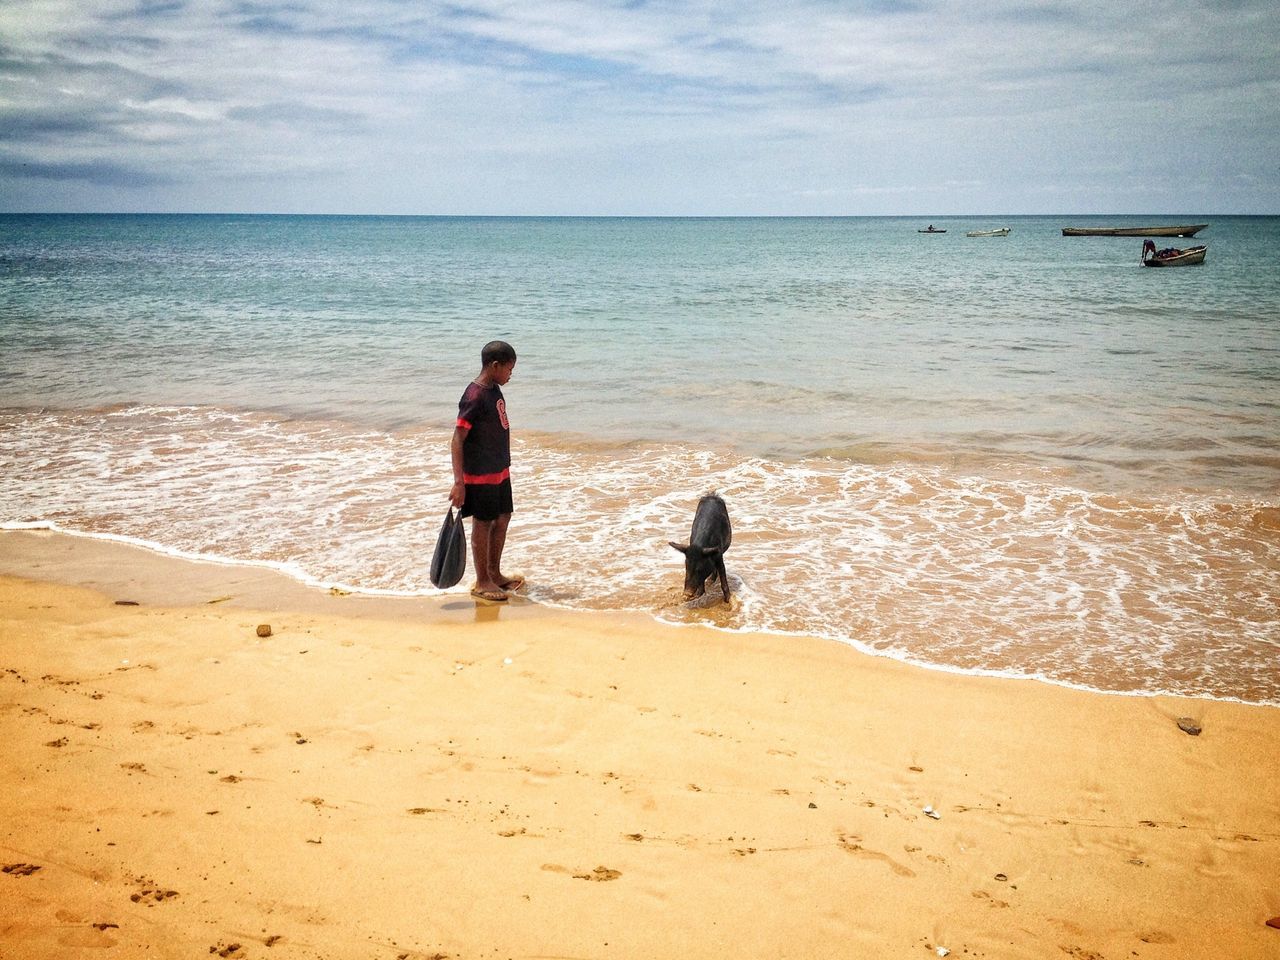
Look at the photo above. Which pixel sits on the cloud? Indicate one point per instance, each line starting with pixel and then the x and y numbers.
pixel 285 112
pixel 101 173
pixel 568 106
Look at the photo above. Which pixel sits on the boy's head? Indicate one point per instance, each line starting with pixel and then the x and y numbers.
pixel 497 351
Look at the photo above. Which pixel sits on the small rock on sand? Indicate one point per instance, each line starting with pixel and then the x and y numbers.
pixel 1274 922
pixel 1187 725
pixel 264 629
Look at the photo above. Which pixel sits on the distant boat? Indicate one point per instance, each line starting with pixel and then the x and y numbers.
pixel 1187 230
pixel 932 229
pixel 1171 256
pixel 1002 232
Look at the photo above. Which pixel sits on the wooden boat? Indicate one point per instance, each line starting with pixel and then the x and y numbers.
pixel 1171 257
pixel 932 229
pixel 1002 232
pixel 1186 230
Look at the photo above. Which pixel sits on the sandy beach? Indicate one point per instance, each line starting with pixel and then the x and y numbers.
pixel 433 779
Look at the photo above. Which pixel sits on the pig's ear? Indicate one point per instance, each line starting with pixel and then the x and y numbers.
pixel 683 548
pixel 710 551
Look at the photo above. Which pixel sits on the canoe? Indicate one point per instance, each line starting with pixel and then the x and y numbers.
pixel 1002 232
pixel 1186 230
pixel 1172 257
pixel 931 230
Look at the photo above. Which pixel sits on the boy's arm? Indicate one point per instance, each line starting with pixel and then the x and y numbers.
pixel 458 492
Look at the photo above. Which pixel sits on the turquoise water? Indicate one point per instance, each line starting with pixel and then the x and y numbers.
pixel 1026 455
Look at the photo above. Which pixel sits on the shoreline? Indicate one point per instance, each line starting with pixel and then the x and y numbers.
pixel 27 551
pixel 428 778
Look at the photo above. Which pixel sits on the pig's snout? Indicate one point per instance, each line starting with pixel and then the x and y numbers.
pixel 693 593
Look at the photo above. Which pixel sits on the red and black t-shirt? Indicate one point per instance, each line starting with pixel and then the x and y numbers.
pixel 486 452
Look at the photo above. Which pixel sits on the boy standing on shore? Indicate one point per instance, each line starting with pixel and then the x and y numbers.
pixel 481 454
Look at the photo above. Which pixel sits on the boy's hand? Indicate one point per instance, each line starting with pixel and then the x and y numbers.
pixel 458 494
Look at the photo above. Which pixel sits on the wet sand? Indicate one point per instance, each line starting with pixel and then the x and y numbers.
pixel 429 778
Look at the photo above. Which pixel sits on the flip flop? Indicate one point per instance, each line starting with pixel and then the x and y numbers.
pixel 514 584
pixel 489 596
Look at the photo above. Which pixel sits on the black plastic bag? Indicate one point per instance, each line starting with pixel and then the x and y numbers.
pixel 449 562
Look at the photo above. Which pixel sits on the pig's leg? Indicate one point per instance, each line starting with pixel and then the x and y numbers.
pixel 724 577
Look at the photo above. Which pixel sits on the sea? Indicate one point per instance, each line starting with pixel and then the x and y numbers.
pixel 1024 456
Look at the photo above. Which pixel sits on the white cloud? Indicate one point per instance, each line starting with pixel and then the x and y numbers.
pixel 556 106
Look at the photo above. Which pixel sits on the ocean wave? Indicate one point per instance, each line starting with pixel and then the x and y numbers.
pixel 930 563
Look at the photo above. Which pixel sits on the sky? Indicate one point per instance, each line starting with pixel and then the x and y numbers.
pixel 638 108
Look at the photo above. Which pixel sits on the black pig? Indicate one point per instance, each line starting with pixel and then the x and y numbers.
pixel 704 553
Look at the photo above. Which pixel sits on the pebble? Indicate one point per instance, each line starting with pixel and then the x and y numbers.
pixel 1187 725
pixel 930 812
pixel 264 629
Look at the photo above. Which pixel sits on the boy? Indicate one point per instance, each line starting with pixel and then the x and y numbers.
pixel 481 453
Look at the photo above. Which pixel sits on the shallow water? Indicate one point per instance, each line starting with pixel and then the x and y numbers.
pixel 1023 455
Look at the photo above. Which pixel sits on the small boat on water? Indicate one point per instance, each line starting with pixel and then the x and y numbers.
pixel 1171 256
pixel 932 229
pixel 1002 232
pixel 1185 230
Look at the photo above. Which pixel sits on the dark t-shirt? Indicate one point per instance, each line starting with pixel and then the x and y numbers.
pixel 486 452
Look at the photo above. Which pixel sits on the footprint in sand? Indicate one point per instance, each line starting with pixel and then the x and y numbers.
pixel 599 875
pixel 852 844
pixel 150 896
pixel 19 869
pixel 992 901
pixel 1080 953
pixel 94 937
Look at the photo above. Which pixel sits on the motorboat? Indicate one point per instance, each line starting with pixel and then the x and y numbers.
pixel 1172 256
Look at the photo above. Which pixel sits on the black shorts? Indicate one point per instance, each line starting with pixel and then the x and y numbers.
pixel 487 501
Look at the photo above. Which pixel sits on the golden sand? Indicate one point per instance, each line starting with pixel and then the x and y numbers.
pixel 433 779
